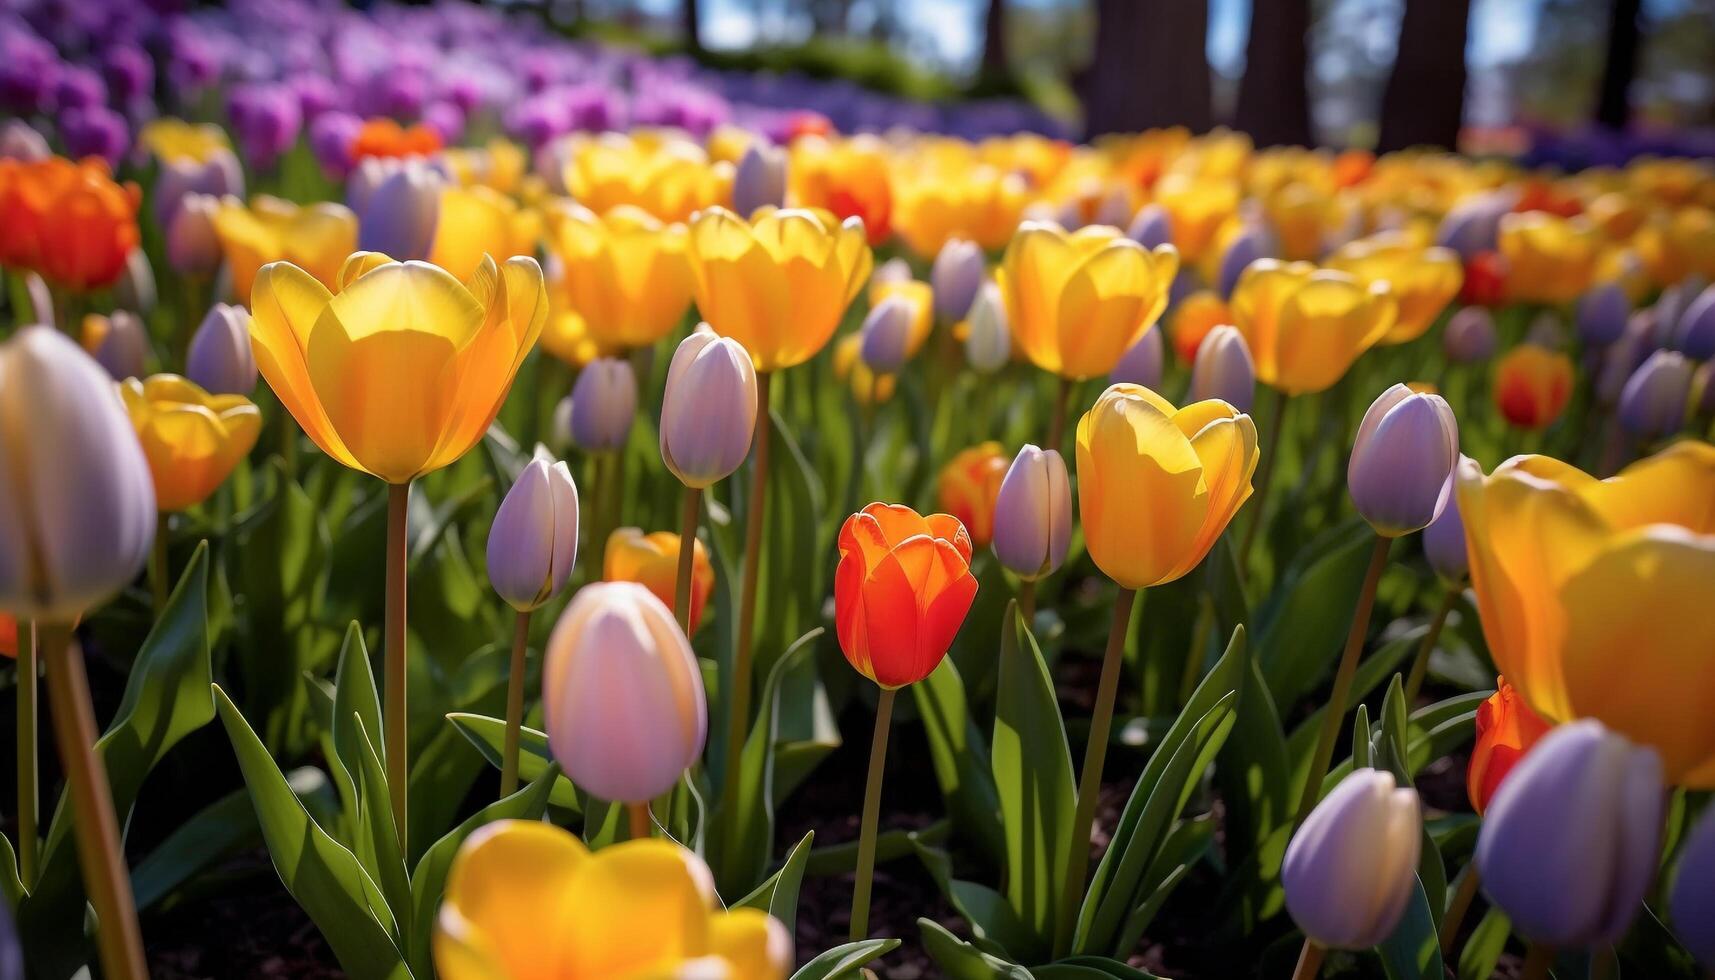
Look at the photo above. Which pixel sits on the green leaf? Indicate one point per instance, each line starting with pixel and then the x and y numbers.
pixel 325 878
pixel 960 757
pixel 378 839
pixel 1373 669
pixel 356 703
pixel 1254 778
pixel 1396 725
pixel 1033 777
pixel 1484 946
pixel 890 845
pixel 1363 757
pixel 844 961
pixel 11 888
pixel 1309 614
pixel 991 919
pixel 960 960
pixel 1089 968
pixel 1186 844
pixel 534 756
pixel 778 895
pixel 1414 949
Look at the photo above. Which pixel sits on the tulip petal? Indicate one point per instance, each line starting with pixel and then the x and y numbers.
pixel 286 303
pixel 754 942
pixel 509 903
pixel 635 906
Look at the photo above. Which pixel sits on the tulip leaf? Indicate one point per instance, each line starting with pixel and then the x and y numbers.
pixel 1363 754
pixel 843 962
pixel 1373 670
pixel 1253 775
pixel 1032 766
pixel 1089 968
pixel 961 757
pixel 987 911
pixel 1413 951
pixel 1396 724
pixel 778 895
pixel 1186 844
pixel 1304 622
pixel 960 960
pixel 378 836
pixel 1484 946
pixel 534 757
pixel 356 710
pixel 326 879
pixel 890 845
pixel 11 888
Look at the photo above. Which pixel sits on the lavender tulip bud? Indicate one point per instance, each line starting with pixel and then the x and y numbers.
pixel 1245 248
pixel 1653 401
pixel 1602 313
pixel 604 401
pixel 1141 362
pixel 1401 470
pixel 1352 866
pixel 1151 227
pixel 77 518
pixel 1624 356
pixel 1692 902
pixel 1695 334
pixel 534 538
pixel 760 179
pixel 892 271
pixel 1113 209
pixel 1033 514
pixel 959 271
pixel 1224 369
pixel 119 343
pixel 1469 336
pixel 988 345
pixel 398 215
pixel 221 359
pixel 193 246
pixel 219 176
pixel 1670 308
pixel 1444 539
pixel 20 142
pixel 622 694
pixel 886 335
pixel 1571 840
pixel 708 412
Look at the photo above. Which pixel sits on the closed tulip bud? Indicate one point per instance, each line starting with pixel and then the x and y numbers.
pixel 1224 369
pixel 893 271
pixel 1141 363
pixel 41 297
pixel 77 517
pixel 967 488
pixel 1602 314
pixel 534 538
pixel 760 180
pixel 193 245
pixel 1652 404
pixel 1692 903
pixel 901 591
pixel 604 402
pixel 1249 245
pixel 988 346
pixel 1352 866
pixel 1401 469
pixel 135 289
pixel 622 694
pixel 887 335
pixel 1033 514
pixel 652 561
pixel 1444 542
pixel 192 439
pixel 708 413
pixel 118 342
pixel 20 142
pixel 1469 336
pixel 1507 728
pixel 398 217
pixel 1695 335
pixel 1571 840
pixel 958 272
pixel 1151 227
pixel 220 358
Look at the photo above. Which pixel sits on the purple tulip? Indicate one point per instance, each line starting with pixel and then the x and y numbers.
pixel 886 335
pixel 78 87
pixel 1693 898
pixel 603 404
pixel 220 175
pixel 1602 313
pixel 267 120
pixel 1245 248
pixel 1141 362
pixel 1151 227
pixel 958 272
pixel 1033 514
pixel 124 345
pixel 129 71
pixel 95 132
pixel 1351 868
pixel 331 137
pixel 1444 541
pixel 1652 403
pixel 220 358
pixel 534 539
pixel 1695 333
pixel 1401 469
pixel 399 207
pixel 1224 369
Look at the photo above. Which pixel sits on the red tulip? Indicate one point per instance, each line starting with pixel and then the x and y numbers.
pixel 902 590
pixel 1506 730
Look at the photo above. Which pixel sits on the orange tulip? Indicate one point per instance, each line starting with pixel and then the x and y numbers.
pixel 652 560
pixel 386 138
pixel 849 178
pixel 1193 318
pixel 1532 385
pixel 1506 729
pixel 68 221
pixel 969 485
pixel 902 590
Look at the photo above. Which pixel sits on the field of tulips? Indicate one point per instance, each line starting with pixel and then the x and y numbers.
pixel 1162 557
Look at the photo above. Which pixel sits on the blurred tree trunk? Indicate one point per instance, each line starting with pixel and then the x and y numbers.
pixel 1150 69
pixel 1424 102
pixel 994 39
pixel 690 23
pixel 1274 95
pixel 1614 107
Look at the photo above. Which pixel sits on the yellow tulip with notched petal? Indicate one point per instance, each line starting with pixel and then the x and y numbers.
pixel 779 284
pixel 1595 594
pixel 1306 327
pixel 625 272
pixel 1423 280
pixel 1549 259
pixel 1157 484
pixel 316 238
pixel 401 370
pixel 192 439
pixel 479 221
pixel 1077 301
pixel 526 900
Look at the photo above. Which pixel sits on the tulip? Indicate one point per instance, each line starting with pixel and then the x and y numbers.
pixel 221 359
pixel 1422 280
pixel 95 133
pixel 534 538
pixel 625 273
pixel 1653 401
pixel 1033 514
pixel 1351 867
pixel 651 560
pixel 957 275
pixel 846 177
pixel 1223 369
pixel 527 899
pixel 1444 542
pixel 1692 902
pixel 968 486
pixel 1532 385
pixel 669 178
pixel 1695 334
pixel 317 239
pixel 1602 314
pixel 940 198
pixel 1305 328
pixel 988 345
pixel 1141 363
pixel 193 243
pixel 760 180
pixel 708 413
pixel 1567 569
pixel 208 170
pixel 382 137
pixel 1151 227
pixel 67 221
pixel 1191 321
pixel 1549 259
pixel 1245 248
pixel 399 212
pixel 1400 473
pixel 604 402
pixel 118 342
pixel 1472 226
pixel 18 141
pixel 622 694
pixel 193 440
pixel 1506 730
pixel 1076 301
pixel 1574 883
pixel 1196 208
pixel 1469 336
pixel 892 272
pixel 475 222
pixel 886 335
pixel 867 387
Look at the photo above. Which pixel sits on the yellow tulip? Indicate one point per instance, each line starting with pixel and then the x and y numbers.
pixel 625 273
pixel 401 370
pixel 1306 327
pixel 1302 217
pixel 868 388
pixel 526 900
pixel 1549 259
pixel 779 284
pixel 192 439
pixel 476 222
pixel 669 177
pixel 652 561
pixel 978 203
pixel 847 177
pixel 1423 280
pixel 1595 594
pixel 316 238
pixel 168 138
pixel 501 164
pixel 1673 245
pixel 1191 465
pixel 1077 301
pixel 1197 207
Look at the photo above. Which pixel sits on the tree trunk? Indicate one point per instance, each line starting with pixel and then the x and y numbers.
pixel 1149 70
pixel 994 40
pixel 1274 96
pixel 1424 102
pixel 1614 108
pixel 691 24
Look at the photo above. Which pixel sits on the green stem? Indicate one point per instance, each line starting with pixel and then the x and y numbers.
pixel 514 705
pixel 1057 423
pixel 1537 959
pixel 99 853
pixel 396 721
pixel 1420 664
pixel 1027 602
pixel 738 702
pixel 1334 713
pixel 871 814
pixel 1462 899
pixel 28 797
pixel 1264 480
pixel 1090 777
pixel 687 557
pixel 158 584
pixel 1309 961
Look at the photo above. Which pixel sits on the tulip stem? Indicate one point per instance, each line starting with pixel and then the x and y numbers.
pixel 1309 961
pixel 27 794
pixel 1462 899
pixel 738 695
pixel 1264 480
pixel 641 824
pixel 1334 714
pixel 1027 603
pixel 1090 777
pixel 396 720
pixel 871 814
pixel 687 555
pixel 514 705
pixel 1420 665
pixel 97 828
pixel 1537 959
pixel 158 565
pixel 1057 425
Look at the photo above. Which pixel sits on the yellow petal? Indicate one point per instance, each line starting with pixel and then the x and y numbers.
pixel 509 904
pixel 285 304
pixel 754 942
pixel 634 906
